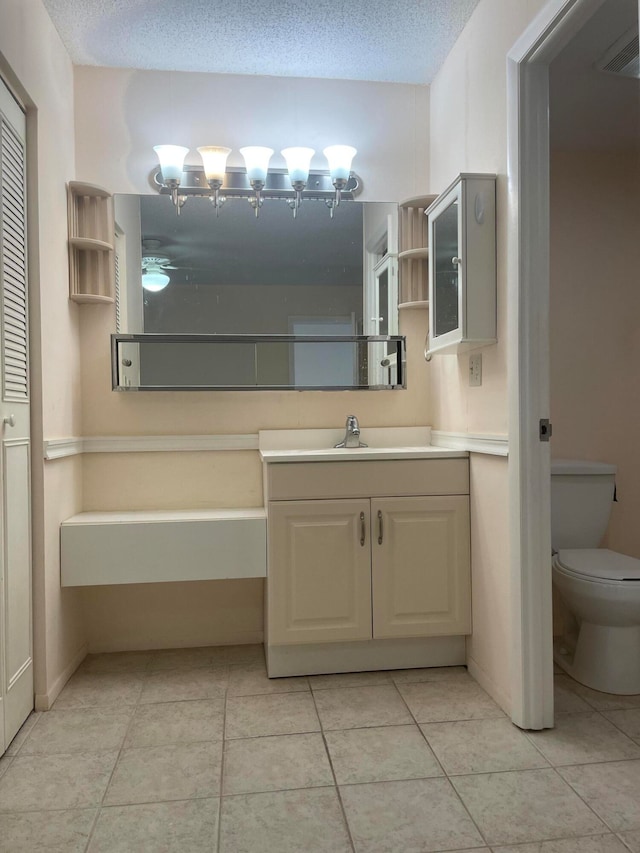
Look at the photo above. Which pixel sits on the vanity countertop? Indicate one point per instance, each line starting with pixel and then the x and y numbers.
pixel 317 445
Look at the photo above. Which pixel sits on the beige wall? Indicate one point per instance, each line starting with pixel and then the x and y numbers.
pixel 595 334
pixel 33 59
pixel 388 124
pixel 468 126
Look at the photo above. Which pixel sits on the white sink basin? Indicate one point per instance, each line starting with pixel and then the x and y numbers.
pixel 317 445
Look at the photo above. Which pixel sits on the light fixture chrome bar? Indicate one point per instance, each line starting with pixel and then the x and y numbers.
pixel 277 185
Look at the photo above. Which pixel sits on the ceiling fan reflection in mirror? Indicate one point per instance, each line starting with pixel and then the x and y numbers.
pixel 154 266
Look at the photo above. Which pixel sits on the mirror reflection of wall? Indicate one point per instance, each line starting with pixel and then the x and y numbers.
pixel 236 274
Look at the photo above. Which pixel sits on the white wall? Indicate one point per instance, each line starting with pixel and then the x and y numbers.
pixel 33 59
pixel 595 334
pixel 388 124
pixel 468 125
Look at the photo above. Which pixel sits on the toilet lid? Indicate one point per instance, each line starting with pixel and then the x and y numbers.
pixel 600 563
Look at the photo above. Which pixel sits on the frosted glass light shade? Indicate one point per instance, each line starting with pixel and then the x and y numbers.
pixel 257 162
pixel 214 160
pixel 340 158
pixel 171 161
pixel 298 162
pixel 155 281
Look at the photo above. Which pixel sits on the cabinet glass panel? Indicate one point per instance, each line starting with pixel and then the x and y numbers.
pixel 446 284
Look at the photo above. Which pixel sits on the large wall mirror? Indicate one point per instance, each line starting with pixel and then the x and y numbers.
pixel 236 274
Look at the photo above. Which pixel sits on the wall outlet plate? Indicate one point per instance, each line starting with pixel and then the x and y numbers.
pixel 475 369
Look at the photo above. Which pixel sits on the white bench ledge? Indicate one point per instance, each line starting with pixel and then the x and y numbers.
pixel 156 546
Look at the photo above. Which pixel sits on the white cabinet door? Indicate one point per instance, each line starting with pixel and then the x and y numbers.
pixel 421 566
pixel 319 575
pixel 16 665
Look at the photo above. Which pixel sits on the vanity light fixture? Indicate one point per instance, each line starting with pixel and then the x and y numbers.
pixel 298 162
pixel 256 182
pixel 340 158
pixel 172 166
pixel 256 159
pixel 214 160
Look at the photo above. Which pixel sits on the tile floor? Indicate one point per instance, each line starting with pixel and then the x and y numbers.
pixel 196 750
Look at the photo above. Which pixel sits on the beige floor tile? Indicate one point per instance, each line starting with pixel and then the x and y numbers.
pixel 23 733
pixel 252 681
pixel 177 685
pixel 179 827
pixel 583 738
pixel 78 730
pixel 586 844
pixel 413 817
pixel 176 722
pixel 627 721
pixel 481 746
pixel 632 840
pixel 59 831
pixel 100 690
pixel 117 662
pixel 5 761
pixel 275 764
pixel 42 782
pixel 433 673
pixel 279 714
pixel 381 755
pixel 284 822
pixel 245 654
pixel 455 699
pixel 566 700
pixel 603 701
pixel 612 790
pixel 525 805
pixel 360 707
pixel 349 679
pixel 170 772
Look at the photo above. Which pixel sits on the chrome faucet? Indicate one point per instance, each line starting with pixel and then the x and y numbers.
pixel 351 434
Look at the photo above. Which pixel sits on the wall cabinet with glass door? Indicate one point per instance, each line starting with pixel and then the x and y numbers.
pixel 462 265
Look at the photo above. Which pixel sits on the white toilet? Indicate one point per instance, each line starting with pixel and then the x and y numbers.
pixel 601 588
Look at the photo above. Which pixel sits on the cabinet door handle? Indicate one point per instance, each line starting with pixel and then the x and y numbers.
pixel 362 529
pixel 380 530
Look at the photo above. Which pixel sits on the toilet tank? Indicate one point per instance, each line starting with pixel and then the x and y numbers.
pixel 581 495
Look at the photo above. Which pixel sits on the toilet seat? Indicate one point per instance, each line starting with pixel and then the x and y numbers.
pixel 598 564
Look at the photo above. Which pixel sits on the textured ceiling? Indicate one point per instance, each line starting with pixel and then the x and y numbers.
pixel 402 41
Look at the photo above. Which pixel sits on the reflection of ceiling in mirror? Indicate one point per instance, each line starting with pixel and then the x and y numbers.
pixel 237 248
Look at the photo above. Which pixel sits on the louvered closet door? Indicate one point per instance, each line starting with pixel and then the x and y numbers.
pixel 16 667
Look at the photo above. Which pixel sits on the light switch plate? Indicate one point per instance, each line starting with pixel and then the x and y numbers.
pixel 475 369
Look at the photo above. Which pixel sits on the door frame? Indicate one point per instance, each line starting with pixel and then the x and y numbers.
pixel 528 352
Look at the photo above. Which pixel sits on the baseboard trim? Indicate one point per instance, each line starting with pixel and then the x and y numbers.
pixel 44 701
pixel 488 684
pixel 368 655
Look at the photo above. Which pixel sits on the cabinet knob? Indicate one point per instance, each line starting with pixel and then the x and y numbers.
pixel 10 420
pixel 456 261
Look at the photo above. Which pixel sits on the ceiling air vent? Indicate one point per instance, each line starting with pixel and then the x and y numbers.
pixel 623 56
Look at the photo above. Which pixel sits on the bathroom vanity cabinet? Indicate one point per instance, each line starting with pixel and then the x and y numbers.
pixel 462 265
pixel 365 552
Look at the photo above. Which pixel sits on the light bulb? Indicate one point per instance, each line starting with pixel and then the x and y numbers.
pixel 257 162
pixel 340 157
pixel 298 162
pixel 214 159
pixel 171 161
